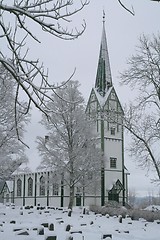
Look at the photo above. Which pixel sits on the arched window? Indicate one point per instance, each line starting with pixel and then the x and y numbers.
pixel 19 188
pixel 55 189
pixel 30 186
pixel 42 186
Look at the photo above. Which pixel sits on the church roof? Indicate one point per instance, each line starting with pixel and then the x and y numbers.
pixel 8 185
pixel 26 168
pixel 102 100
pixel 103 77
pixel 23 168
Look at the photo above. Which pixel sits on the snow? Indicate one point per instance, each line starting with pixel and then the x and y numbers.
pixel 10 185
pixel 153 208
pixel 83 226
pixel 23 168
pixel 102 100
pixel 29 168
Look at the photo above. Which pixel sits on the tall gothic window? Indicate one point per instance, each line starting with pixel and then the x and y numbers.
pixel 55 189
pixel 42 186
pixel 30 186
pixel 19 188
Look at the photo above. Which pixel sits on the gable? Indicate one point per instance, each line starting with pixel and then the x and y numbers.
pixel 7 187
pixel 117 187
pixel 112 102
pixel 93 103
pixel 96 97
pixel 108 104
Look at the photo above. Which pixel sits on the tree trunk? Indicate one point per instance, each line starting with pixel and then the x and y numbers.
pixel 71 197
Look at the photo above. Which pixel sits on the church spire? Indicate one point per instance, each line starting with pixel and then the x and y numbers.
pixel 103 78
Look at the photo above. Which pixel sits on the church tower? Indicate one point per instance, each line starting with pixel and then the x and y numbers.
pixel 105 108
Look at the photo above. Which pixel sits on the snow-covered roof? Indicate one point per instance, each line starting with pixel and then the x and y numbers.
pixel 126 171
pixel 153 208
pixel 10 185
pixel 112 183
pixel 102 100
pixel 26 168
pixel 23 168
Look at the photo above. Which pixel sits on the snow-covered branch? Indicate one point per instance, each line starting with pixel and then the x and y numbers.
pixel 17 23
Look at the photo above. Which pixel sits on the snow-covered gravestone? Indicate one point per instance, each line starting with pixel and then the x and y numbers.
pixel 51 227
pixel 51 237
pixel 40 231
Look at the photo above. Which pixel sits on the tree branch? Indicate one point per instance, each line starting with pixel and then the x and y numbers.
pixel 128 10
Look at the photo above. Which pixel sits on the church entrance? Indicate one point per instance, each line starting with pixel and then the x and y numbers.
pixel 113 194
pixel 78 199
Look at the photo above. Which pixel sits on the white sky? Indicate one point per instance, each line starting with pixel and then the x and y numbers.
pixel 61 57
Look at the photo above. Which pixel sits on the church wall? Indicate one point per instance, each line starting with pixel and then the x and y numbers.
pixel 107 130
pixel 66 201
pixel 29 201
pixel 18 201
pixel 7 197
pixel 92 200
pixel 55 201
pixel 42 201
pixel 113 148
pixel 50 200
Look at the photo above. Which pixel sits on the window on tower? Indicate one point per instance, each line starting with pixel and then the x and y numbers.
pixel 113 162
pixel 113 130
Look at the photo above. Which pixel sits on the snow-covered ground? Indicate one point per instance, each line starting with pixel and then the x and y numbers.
pixel 153 208
pixel 14 222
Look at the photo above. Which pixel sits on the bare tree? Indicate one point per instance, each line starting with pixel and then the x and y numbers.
pixel 70 148
pixel 126 8
pixel 11 150
pixel 142 119
pixel 17 22
pixel 131 11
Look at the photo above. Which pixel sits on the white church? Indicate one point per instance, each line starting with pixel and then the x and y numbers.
pixel 31 188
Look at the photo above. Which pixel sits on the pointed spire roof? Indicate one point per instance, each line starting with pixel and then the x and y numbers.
pixel 103 78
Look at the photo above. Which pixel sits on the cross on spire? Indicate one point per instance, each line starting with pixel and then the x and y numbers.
pixel 103 17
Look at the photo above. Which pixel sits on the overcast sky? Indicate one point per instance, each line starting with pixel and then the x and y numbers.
pixel 61 57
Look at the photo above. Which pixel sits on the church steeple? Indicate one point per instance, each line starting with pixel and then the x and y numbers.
pixel 103 78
